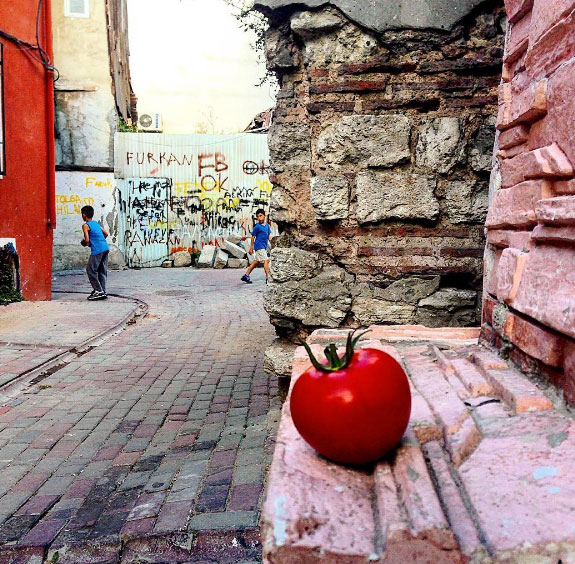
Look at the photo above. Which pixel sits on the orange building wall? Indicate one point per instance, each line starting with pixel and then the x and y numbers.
pixel 26 191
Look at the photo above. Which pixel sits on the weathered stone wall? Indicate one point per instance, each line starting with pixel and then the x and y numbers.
pixel 85 108
pixel 9 273
pixel 529 306
pixel 381 151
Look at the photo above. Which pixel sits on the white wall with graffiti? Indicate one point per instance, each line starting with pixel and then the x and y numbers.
pixel 179 192
pixel 73 191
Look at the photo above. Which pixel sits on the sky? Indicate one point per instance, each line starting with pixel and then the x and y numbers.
pixel 191 62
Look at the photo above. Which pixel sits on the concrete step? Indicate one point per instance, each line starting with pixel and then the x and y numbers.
pixel 483 474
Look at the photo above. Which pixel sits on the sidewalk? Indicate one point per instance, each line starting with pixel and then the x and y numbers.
pixel 38 336
pixel 153 447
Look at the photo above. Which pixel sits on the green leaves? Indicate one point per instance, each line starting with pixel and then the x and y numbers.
pixel 335 362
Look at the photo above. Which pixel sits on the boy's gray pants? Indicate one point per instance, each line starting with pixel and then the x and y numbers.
pixel 97 271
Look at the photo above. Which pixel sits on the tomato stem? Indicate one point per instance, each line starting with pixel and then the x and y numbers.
pixel 334 361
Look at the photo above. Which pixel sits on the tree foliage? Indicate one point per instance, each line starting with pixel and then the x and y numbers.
pixel 124 127
pixel 254 22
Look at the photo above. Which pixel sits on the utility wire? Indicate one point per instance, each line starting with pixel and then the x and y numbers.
pixel 230 137
pixel 35 51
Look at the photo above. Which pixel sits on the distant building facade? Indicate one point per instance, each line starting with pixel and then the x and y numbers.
pixel 27 212
pixel 93 95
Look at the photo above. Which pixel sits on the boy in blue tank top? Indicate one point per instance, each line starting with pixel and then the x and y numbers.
pixel 97 267
pixel 261 236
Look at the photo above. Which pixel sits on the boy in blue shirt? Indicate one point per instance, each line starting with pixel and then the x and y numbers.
pixel 97 267
pixel 261 235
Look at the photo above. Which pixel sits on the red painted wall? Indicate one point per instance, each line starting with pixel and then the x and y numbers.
pixel 26 191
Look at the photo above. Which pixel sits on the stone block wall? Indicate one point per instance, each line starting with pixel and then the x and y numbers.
pixel 529 306
pixel 9 273
pixel 381 151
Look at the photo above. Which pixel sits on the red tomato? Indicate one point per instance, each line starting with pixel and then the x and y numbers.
pixel 354 415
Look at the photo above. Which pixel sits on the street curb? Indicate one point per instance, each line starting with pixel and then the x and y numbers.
pixel 98 339
pixel 15 386
pixel 230 545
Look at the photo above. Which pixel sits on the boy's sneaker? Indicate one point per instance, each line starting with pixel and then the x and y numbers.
pixel 246 279
pixel 97 296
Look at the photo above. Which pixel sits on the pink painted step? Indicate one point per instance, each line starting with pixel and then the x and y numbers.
pixel 477 478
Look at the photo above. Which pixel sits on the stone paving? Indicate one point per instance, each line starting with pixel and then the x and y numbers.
pixel 53 320
pixel 152 447
pixel 19 359
pixel 34 334
pixel 484 474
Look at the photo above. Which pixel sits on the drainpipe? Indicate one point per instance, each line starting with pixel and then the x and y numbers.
pixel 51 165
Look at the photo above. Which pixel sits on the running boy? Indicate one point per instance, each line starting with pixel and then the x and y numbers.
pixel 261 234
pixel 97 267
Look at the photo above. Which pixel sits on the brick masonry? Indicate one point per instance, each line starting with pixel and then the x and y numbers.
pixel 153 446
pixel 381 150
pixel 529 308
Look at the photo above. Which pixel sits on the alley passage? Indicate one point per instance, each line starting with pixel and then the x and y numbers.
pixel 153 445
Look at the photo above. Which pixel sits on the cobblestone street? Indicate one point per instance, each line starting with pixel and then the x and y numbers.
pixel 154 445
pixel 397 176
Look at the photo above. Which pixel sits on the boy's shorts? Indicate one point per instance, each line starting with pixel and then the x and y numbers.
pixel 261 255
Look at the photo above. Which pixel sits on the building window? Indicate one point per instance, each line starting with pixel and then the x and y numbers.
pixel 77 8
pixel 2 131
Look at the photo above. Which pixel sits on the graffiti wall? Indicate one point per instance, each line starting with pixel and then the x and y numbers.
pixel 212 185
pixel 143 204
pixel 73 191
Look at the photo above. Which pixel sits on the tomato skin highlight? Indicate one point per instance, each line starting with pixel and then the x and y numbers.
pixel 357 414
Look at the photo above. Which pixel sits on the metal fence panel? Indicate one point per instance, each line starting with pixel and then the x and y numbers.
pixel 144 206
pixel 217 184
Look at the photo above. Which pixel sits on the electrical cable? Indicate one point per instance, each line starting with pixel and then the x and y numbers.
pixel 41 56
pixel 21 44
pixel 235 137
